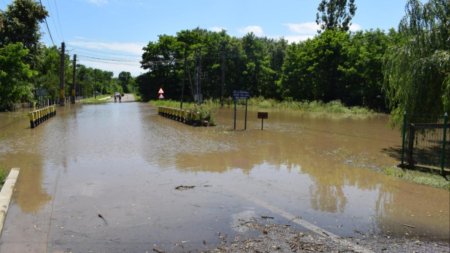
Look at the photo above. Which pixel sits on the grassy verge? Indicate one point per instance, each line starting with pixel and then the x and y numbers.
pixel 418 177
pixel 333 107
pixel 3 175
pixel 206 110
pixel 98 100
pixel 137 97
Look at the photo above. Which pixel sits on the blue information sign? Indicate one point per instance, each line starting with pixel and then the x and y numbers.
pixel 237 94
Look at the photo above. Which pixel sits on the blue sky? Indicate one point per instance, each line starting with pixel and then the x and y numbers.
pixel 110 34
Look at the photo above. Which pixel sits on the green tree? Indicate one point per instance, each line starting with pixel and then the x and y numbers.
pixel 162 60
pixel 47 80
pixel 335 14
pixel 337 66
pixel 21 24
pixel 296 79
pixel 15 74
pixel 85 80
pixel 362 72
pixel 2 18
pixel 317 70
pixel 417 68
pixel 258 74
pixel 125 80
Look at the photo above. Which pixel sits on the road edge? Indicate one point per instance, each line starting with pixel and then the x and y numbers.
pixel 6 194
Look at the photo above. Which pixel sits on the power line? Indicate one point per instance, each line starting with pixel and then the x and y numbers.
pixel 52 19
pixel 46 24
pixel 100 54
pixel 113 63
pixel 57 17
pixel 99 60
pixel 109 59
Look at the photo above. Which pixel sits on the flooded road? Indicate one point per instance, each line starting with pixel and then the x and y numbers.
pixel 124 162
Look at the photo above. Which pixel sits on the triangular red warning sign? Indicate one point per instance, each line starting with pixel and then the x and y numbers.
pixel 160 91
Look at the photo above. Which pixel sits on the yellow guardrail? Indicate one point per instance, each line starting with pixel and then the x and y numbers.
pixel 40 115
pixel 173 113
pixel 185 116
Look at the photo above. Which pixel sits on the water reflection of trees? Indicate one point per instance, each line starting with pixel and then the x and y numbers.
pixel 334 162
pixel 324 162
pixel 314 154
pixel 415 210
pixel 29 194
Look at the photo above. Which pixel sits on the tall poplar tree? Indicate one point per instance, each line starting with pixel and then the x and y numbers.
pixel 335 14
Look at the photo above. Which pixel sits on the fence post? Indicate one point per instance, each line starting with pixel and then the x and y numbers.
pixel 403 138
pixel 444 140
pixel 412 135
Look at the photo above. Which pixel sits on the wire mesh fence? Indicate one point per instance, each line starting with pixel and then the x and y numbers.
pixel 426 142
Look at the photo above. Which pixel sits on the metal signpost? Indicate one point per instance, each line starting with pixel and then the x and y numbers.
pixel 240 94
pixel 262 116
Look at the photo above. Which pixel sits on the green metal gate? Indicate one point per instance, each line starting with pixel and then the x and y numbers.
pixel 426 143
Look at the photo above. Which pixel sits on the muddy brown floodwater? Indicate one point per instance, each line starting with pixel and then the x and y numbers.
pixel 118 177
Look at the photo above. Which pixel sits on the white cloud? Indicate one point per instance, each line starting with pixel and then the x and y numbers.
pixel 308 28
pixel 98 2
pixel 297 38
pixel 257 30
pixel 355 27
pixel 116 67
pixel 217 29
pixel 134 48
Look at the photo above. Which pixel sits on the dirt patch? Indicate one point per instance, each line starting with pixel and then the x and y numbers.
pixel 284 238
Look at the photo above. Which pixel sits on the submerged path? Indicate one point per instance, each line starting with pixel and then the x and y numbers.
pixel 127 97
pixel 117 177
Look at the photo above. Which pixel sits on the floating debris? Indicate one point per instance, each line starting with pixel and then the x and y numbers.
pixel 101 217
pixel 184 187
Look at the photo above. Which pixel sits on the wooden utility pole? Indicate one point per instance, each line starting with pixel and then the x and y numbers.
pixel 95 84
pixel 61 76
pixel 223 74
pixel 73 97
pixel 197 77
pixel 184 78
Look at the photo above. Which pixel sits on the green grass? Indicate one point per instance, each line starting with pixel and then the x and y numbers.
pixel 335 108
pixel 206 110
pixel 137 97
pixel 101 99
pixel 3 175
pixel 418 177
pixel 207 105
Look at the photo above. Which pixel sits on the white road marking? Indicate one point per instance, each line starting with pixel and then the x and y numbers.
pixel 318 230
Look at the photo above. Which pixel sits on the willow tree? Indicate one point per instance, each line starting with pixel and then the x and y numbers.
pixel 417 68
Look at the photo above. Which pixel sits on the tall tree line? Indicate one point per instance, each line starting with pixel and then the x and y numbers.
pixel 29 70
pixel 335 65
pixel 398 70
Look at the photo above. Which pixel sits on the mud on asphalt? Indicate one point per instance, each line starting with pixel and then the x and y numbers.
pixel 262 234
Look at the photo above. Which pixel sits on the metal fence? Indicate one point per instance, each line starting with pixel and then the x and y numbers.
pixel 426 142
